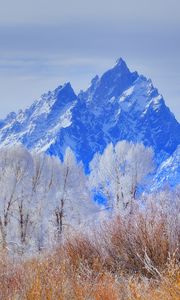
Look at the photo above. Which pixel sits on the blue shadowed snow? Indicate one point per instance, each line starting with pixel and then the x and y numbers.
pixel 119 105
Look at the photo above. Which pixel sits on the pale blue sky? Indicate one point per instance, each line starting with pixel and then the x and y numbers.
pixel 45 43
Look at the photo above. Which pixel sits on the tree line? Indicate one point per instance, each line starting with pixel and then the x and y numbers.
pixel 42 197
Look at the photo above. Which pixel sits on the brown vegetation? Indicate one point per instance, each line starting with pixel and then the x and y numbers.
pixel 132 257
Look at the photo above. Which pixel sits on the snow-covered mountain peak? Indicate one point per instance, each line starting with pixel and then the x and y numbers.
pixel 110 85
pixel 119 105
pixel 65 87
pixel 121 65
pixel 62 96
pixel 39 123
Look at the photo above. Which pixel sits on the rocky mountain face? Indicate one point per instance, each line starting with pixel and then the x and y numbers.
pixel 118 105
pixel 168 173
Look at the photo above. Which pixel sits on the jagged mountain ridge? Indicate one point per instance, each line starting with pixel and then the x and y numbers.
pixel 118 105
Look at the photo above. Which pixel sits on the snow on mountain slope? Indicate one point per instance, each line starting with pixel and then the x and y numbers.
pixel 118 105
pixel 168 172
pixel 38 125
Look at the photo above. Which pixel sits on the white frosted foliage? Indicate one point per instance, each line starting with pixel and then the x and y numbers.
pixel 118 171
pixel 41 198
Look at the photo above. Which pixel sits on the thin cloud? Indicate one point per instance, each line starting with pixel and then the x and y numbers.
pixel 44 44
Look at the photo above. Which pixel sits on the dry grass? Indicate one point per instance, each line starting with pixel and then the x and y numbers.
pixel 130 258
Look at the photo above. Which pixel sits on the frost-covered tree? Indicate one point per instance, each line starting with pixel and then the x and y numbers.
pixel 15 165
pixel 119 171
pixel 44 189
pixel 73 204
pixel 40 195
pixel 22 168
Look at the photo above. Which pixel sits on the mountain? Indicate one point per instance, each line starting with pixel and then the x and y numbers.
pixel 118 105
pixel 168 172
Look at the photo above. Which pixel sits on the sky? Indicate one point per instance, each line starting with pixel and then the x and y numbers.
pixel 46 43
